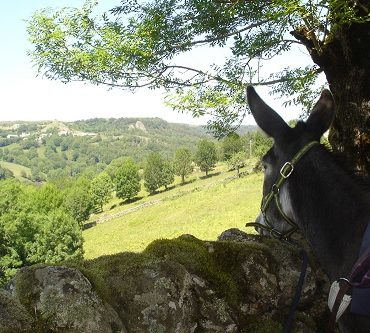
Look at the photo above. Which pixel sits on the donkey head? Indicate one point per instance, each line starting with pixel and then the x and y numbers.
pixel 287 143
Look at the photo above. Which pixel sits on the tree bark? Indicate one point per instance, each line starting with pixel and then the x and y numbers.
pixel 348 74
pixel 345 61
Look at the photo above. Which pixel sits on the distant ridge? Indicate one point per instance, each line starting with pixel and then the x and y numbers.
pixel 44 150
pixel 85 123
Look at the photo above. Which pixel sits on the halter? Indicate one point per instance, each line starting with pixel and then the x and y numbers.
pixel 285 172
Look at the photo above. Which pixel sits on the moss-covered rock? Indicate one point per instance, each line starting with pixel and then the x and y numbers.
pixel 13 316
pixel 61 299
pixel 240 284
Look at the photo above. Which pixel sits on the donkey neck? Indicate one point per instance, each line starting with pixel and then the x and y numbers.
pixel 331 211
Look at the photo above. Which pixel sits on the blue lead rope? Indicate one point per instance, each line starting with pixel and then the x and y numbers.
pixel 293 306
pixel 360 278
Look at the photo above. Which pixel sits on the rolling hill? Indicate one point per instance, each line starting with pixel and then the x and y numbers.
pixel 53 149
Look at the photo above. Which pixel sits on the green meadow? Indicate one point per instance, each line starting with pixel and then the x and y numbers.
pixel 17 169
pixel 204 207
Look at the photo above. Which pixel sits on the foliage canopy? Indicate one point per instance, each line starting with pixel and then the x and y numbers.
pixel 230 145
pixel 79 203
pixel 101 190
pixel 158 172
pixel 237 161
pixel 127 180
pixel 206 155
pixel 183 163
pixel 138 43
pixel 35 227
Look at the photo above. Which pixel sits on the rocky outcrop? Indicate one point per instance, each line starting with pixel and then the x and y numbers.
pixel 241 283
pixel 138 125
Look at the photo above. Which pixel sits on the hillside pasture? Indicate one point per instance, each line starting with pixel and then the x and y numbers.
pixel 203 208
pixel 17 169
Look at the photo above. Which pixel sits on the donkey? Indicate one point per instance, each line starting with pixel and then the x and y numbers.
pixel 315 194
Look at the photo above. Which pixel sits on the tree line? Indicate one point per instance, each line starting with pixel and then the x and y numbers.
pixel 125 177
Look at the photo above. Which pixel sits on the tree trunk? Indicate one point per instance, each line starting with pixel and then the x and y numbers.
pixel 348 73
pixel 345 61
pixel 350 132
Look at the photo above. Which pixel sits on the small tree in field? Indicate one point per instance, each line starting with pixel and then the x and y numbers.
pixel 79 204
pixel 101 190
pixel 237 161
pixel 153 172
pixel 231 144
pixel 127 180
pixel 6 173
pixel 183 163
pixel 157 173
pixel 168 174
pixel 206 155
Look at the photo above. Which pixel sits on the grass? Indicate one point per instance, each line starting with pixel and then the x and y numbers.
pixel 203 208
pixel 17 169
pixel 196 180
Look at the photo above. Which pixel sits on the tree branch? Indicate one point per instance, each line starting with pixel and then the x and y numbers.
pixel 215 39
pixel 301 35
pixel 284 79
pixel 292 41
pixel 313 37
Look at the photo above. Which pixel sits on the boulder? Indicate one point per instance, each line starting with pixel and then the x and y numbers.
pixel 240 283
pixel 62 299
pixel 13 316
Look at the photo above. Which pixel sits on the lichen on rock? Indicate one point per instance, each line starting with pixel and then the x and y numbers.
pixel 61 298
pixel 13 316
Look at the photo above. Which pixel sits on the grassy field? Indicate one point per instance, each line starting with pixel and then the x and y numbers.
pixel 203 208
pixel 195 180
pixel 17 169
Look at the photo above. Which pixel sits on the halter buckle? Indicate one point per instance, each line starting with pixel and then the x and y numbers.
pixel 286 170
pixel 275 189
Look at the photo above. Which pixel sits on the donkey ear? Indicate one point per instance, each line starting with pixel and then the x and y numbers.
pixel 322 114
pixel 266 118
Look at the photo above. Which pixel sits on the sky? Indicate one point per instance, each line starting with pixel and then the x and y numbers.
pixel 26 96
